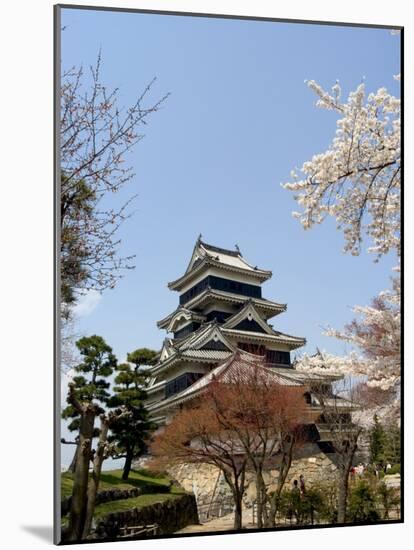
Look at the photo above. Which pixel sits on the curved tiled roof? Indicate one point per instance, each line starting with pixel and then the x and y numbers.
pixel 230 297
pixel 205 255
pixel 177 313
pixel 292 341
pixel 239 364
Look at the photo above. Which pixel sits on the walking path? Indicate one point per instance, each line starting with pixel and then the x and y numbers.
pixel 224 523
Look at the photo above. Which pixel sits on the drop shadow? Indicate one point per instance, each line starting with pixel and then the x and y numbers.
pixel 43 532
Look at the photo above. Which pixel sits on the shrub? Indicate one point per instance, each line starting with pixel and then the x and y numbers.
pixel 311 507
pixel 389 498
pixel 396 469
pixel 362 503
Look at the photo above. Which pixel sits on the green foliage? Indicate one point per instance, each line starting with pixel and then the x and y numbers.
pixel 396 469
pixel 369 501
pixel 377 442
pixel 142 356
pixel 389 497
pixel 392 449
pixel 130 433
pixel 157 488
pixel 385 443
pixel 129 503
pixel 362 505
pixel 151 474
pixel 77 200
pixel 111 480
pixel 308 508
pixel 91 375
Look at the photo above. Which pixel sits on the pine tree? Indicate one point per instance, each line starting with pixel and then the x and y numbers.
pixel 90 383
pixel 392 447
pixel 377 442
pixel 130 433
pixel 88 392
pixel 142 357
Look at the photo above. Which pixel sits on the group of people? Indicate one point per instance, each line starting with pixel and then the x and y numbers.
pixel 360 469
pixel 299 486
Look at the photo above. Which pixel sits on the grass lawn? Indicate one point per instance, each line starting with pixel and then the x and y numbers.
pixel 137 502
pixel 111 479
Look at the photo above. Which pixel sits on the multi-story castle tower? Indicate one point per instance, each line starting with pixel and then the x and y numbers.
pixel 221 310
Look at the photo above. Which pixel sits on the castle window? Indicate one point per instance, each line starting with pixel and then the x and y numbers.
pixel 181 383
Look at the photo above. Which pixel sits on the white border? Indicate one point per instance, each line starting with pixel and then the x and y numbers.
pixel 27 267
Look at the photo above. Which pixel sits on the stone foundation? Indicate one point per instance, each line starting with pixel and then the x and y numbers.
pixel 170 516
pixel 207 483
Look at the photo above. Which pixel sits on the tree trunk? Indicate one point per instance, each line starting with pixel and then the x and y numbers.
pixel 261 494
pixel 342 495
pixel 259 502
pixel 284 468
pixel 96 476
pixel 72 466
pixel 128 464
pixel 238 511
pixel 80 479
pixel 237 486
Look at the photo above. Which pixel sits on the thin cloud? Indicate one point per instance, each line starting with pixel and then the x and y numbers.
pixel 87 303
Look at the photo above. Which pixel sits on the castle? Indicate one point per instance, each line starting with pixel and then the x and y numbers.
pixel 222 323
pixel 222 317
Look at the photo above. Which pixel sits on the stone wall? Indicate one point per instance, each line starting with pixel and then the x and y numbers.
pixel 170 516
pixel 207 483
pixel 118 494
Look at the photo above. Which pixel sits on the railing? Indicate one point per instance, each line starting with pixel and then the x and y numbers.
pixel 136 530
pixel 215 509
pixel 312 518
pixel 289 519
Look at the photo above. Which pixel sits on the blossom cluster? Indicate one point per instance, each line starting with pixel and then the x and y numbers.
pixel 357 180
pixel 376 333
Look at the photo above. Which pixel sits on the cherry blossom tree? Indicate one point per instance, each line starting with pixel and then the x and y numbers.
pixel 357 180
pixel 96 134
pixel 376 334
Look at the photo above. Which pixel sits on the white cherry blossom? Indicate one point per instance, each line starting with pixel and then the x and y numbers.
pixel 376 334
pixel 357 179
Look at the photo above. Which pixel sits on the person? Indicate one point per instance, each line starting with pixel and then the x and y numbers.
pixel 360 469
pixel 295 503
pixel 302 485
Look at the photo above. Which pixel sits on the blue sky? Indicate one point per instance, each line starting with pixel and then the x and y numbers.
pixel 238 120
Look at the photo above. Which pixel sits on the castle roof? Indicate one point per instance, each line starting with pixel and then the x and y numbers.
pixel 205 345
pixel 213 342
pixel 206 255
pixel 266 306
pixel 181 313
pixel 240 363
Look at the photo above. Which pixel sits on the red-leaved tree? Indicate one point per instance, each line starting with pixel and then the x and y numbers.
pixel 245 419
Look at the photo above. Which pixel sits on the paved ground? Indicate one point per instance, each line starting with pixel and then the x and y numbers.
pixel 224 523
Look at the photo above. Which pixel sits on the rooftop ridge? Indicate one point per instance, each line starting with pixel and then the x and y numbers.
pixel 221 250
